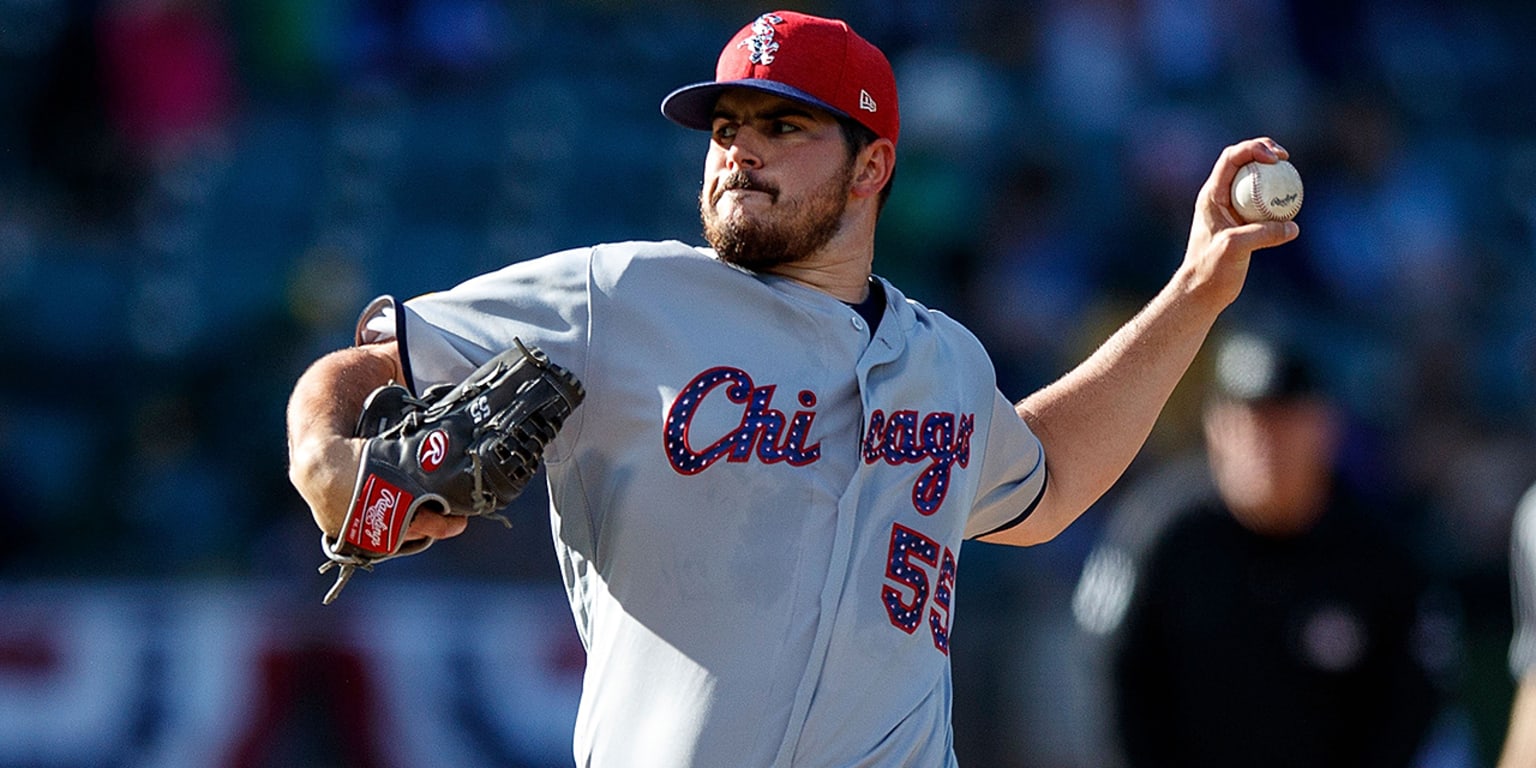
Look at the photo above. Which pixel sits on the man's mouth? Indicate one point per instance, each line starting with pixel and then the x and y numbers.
pixel 741 182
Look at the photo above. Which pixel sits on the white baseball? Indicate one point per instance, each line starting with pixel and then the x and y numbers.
pixel 1267 192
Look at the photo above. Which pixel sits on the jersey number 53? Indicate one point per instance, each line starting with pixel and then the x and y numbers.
pixel 914 560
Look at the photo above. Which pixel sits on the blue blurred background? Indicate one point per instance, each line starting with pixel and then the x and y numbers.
pixel 196 198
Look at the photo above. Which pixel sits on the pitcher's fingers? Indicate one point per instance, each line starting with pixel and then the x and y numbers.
pixel 1262 149
pixel 433 525
pixel 1264 234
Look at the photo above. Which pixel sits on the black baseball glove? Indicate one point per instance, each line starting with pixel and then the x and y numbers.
pixel 467 449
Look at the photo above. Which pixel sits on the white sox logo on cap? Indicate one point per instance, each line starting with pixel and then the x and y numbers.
pixel 813 60
pixel 760 45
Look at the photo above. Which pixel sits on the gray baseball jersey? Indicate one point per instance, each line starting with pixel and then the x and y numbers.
pixel 1522 566
pixel 758 509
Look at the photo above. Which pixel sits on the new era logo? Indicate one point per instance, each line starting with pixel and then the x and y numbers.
pixel 866 101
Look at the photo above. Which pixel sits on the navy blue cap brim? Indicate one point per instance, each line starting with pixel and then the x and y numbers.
pixel 693 106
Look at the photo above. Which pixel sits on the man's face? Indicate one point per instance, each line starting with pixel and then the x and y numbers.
pixel 1272 461
pixel 776 180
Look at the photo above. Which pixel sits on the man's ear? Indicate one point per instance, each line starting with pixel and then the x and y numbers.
pixel 873 168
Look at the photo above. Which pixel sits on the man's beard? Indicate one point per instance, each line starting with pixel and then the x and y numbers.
pixel 798 229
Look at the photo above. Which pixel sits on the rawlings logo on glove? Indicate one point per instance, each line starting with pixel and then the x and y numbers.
pixel 381 516
pixel 467 449
pixel 433 451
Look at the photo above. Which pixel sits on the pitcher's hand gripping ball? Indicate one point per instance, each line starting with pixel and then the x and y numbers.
pixel 1267 192
pixel 467 450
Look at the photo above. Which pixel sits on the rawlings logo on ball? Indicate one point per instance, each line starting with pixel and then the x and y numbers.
pixel 1267 191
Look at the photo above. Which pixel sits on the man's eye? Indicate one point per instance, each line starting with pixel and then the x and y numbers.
pixel 783 127
pixel 725 131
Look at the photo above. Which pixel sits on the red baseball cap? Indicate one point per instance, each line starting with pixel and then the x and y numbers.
pixel 816 61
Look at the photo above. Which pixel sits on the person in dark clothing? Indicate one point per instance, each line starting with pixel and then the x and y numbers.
pixel 1244 609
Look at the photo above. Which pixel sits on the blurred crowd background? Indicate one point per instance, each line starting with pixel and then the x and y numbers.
pixel 197 197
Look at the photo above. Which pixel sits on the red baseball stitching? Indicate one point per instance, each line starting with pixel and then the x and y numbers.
pixel 1258 197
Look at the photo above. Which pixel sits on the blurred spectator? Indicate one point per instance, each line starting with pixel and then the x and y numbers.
pixel 73 155
pixel 1250 611
pixel 1520 743
pixel 169 74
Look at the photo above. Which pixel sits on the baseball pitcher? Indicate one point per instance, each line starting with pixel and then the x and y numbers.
pixel 759 502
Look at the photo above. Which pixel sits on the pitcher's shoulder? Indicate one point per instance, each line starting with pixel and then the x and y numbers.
pixel 666 264
pixel 918 318
pixel 622 254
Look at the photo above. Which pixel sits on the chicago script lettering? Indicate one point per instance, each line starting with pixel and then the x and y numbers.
pixel 905 437
pixel 763 432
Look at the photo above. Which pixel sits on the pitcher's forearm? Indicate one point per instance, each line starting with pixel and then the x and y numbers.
pixel 1094 420
pixel 322 414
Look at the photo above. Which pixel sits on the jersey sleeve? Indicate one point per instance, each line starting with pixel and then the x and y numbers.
pixel 1013 473
pixel 445 335
pixel 1522 566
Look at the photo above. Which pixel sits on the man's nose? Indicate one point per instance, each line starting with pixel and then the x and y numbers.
pixel 744 151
